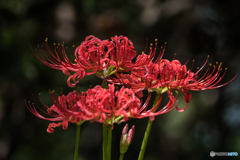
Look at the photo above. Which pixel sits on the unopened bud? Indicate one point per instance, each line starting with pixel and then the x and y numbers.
pixel 123 144
pixel 124 131
pixel 130 135
pixel 126 138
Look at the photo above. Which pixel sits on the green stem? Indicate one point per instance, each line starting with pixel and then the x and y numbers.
pixel 121 156
pixel 145 139
pixel 146 135
pixel 105 135
pixel 118 118
pixel 77 142
pixel 109 142
pixel 104 142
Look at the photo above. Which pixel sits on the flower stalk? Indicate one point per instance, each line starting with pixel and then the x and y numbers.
pixel 109 142
pixel 121 156
pixel 145 139
pixel 105 134
pixel 77 141
pixel 104 142
pixel 146 135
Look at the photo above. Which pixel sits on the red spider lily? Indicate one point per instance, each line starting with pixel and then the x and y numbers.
pixel 155 76
pixel 173 76
pixel 112 104
pixel 64 109
pixel 123 103
pixel 102 57
pixel 57 58
pixel 95 55
pixel 140 77
pixel 100 105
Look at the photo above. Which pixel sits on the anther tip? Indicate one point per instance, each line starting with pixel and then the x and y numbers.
pixel 165 43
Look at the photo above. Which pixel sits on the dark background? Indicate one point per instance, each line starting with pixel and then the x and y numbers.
pixel 193 30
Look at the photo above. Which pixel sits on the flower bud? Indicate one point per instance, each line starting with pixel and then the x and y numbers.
pixel 126 138
pixel 130 135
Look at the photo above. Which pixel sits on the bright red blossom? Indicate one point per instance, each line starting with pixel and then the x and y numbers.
pixel 102 57
pixel 64 109
pixel 100 105
pixel 113 61
pixel 95 55
pixel 172 75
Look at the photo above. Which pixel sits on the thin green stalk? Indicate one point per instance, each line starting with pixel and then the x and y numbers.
pixel 105 135
pixel 104 142
pixel 77 142
pixel 109 142
pixel 146 135
pixel 121 156
pixel 118 118
pixel 145 139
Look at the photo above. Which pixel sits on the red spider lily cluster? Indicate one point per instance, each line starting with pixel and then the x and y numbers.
pixel 113 62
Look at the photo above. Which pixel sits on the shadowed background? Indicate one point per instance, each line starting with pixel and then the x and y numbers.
pixel 193 30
